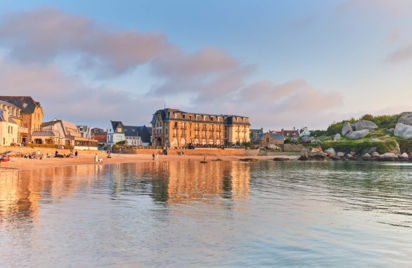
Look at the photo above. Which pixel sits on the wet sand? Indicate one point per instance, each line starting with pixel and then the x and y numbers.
pixel 87 159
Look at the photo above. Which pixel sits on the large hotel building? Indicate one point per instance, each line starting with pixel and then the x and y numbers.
pixel 173 128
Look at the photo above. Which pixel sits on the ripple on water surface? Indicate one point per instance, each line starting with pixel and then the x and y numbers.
pixel 222 213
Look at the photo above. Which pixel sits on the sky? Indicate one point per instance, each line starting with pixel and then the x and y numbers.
pixel 282 63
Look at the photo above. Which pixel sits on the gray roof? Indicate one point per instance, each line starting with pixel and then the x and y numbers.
pixel 25 103
pixel 43 133
pixel 277 136
pixel 274 136
pixel 131 131
pixel 115 124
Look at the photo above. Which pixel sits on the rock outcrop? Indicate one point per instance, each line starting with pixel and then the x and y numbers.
pixel 346 128
pixel 365 124
pixel 337 137
pixel 389 157
pixel 403 131
pixel 406 118
pixel 357 134
pixel 330 152
pixel 366 157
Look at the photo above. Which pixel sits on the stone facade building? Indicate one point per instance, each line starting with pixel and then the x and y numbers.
pixel 31 116
pixel 176 129
pixel 271 139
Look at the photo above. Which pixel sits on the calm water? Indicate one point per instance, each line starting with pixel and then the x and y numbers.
pixel 217 214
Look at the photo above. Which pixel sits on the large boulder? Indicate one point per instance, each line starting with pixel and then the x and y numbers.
pixel 366 157
pixel 354 135
pixel 330 152
pixel 337 137
pixel 365 124
pixel 389 157
pixel 403 131
pixel 406 119
pixel 317 155
pixel 346 128
pixel 340 154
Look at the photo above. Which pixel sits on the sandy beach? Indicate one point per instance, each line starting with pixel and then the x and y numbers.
pixel 87 159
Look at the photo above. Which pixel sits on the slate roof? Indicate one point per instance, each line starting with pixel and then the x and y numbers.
pixel 43 133
pixel 25 103
pixel 131 131
pixel 115 124
pixel 275 136
pixel 227 119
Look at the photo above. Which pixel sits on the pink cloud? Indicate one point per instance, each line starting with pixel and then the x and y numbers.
pixel 65 96
pixel 215 80
pixel 41 35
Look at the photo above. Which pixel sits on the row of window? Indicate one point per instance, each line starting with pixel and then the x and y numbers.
pixel 211 117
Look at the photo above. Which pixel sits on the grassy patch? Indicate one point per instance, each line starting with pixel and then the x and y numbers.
pixel 362 145
pixel 405 145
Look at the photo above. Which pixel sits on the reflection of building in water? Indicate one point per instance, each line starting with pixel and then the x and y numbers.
pixel 181 180
pixel 240 174
pixel 195 181
pixel 20 192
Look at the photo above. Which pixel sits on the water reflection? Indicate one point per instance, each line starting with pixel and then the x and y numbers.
pixel 21 192
pixel 183 213
pixel 170 182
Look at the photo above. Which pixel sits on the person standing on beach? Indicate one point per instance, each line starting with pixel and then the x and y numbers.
pixel 96 159
pixel 153 155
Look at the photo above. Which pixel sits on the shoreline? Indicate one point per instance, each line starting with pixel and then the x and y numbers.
pixel 20 164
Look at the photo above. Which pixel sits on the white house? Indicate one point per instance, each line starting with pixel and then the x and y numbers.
pixel 117 133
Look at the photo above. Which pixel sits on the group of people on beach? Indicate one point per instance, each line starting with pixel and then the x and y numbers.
pixel 41 156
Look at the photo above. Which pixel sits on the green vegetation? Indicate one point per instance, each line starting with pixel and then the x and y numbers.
pixel 121 143
pixel 362 145
pixel 382 138
pixel 319 133
pixel 383 121
pixel 405 145
pixel 247 144
pixel 337 127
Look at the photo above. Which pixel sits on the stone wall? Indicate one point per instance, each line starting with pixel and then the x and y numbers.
pixel 196 151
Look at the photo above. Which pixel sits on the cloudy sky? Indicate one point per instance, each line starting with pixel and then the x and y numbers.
pixel 282 63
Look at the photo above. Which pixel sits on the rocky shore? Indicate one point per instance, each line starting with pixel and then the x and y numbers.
pixel 330 154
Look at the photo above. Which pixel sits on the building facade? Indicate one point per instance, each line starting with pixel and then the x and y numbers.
pixel 131 135
pixel 8 127
pixel 31 116
pixel 255 135
pixel 61 132
pixel 271 139
pixel 174 129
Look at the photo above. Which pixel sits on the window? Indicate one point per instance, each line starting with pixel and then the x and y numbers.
pixel 267 139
